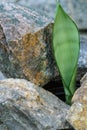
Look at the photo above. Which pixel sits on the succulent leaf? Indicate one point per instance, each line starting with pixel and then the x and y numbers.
pixel 66 48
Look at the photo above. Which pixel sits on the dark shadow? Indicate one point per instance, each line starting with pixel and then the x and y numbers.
pixel 56 87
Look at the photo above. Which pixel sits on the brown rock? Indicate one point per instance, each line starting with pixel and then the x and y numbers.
pixel 77 114
pixel 24 106
pixel 25 44
pixel 80 94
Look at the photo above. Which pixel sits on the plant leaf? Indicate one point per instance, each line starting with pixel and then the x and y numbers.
pixel 66 47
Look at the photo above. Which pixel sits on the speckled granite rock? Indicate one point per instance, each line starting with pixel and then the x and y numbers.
pixel 24 106
pixel 25 44
pixel 77 115
pixel 77 9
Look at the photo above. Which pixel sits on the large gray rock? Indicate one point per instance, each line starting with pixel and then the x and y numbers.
pixel 24 106
pixel 25 44
pixel 77 9
pixel 77 115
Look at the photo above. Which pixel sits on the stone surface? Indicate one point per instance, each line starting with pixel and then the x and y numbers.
pixel 2 76
pixel 83 51
pixel 84 78
pixel 77 114
pixel 24 106
pixel 77 9
pixel 82 62
pixel 25 44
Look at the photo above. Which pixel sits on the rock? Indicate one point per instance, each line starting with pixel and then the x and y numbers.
pixel 77 115
pixel 25 44
pixel 84 78
pixel 24 106
pixel 2 76
pixel 77 9
pixel 83 51
pixel 82 62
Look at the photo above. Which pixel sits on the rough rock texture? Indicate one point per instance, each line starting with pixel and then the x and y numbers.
pixel 77 115
pixel 25 44
pixel 77 9
pixel 24 106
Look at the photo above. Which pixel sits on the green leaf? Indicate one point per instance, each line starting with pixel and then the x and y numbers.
pixel 66 48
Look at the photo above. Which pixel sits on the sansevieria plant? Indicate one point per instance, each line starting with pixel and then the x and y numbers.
pixel 66 46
